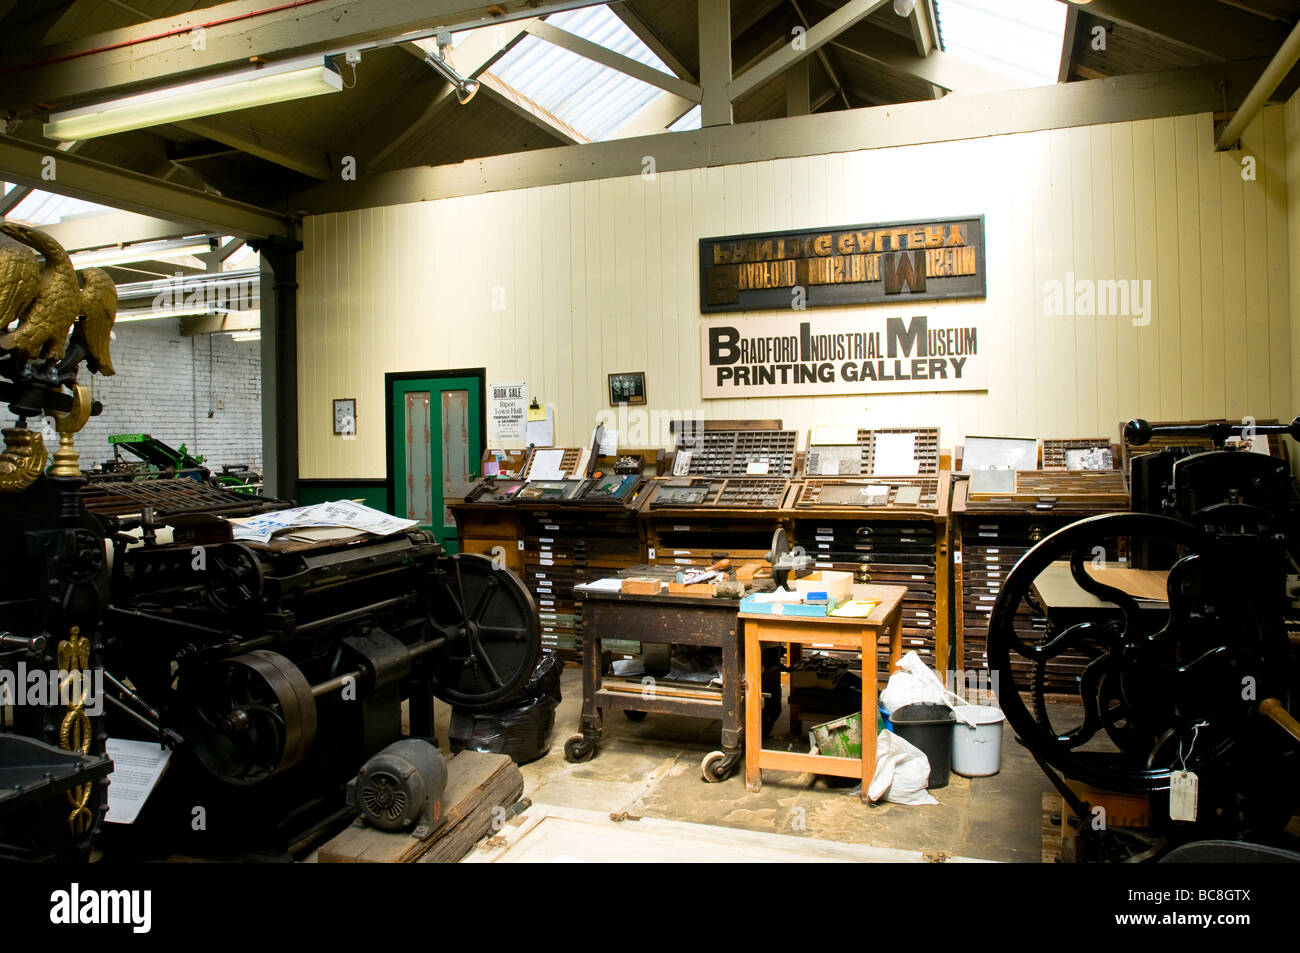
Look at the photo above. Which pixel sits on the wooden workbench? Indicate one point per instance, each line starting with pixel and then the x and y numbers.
pixel 860 635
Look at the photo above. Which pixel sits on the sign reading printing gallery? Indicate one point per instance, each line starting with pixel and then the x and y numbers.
pixel 860 264
pixel 777 356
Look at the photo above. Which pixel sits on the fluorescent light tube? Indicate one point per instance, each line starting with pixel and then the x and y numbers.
pixel 160 251
pixel 247 335
pixel 273 83
pixel 152 314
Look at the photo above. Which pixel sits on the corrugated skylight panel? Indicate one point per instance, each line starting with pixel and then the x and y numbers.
pixel 594 99
pixel 46 208
pixel 1019 39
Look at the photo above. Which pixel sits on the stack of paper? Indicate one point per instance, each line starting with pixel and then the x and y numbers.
pixel 356 516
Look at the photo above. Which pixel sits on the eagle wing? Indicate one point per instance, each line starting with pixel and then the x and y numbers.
pixel 99 305
pixel 19 280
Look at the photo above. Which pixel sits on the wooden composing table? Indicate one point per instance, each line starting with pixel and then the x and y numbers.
pixel 664 620
pixel 845 634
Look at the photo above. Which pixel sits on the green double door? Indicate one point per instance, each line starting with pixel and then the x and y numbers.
pixel 435 441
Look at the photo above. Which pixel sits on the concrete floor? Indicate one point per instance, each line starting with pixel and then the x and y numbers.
pixel 652 769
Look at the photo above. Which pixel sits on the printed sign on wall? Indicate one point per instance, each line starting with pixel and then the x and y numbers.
pixel 507 405
pixel 860 264
pixel 870 353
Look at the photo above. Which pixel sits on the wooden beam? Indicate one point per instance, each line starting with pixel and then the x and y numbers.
pixel 831 73
pixel 115 228
pixel 92 181
pixel 1117 99
pixel 13 198
pixel 798 102
pixel 262 144
pixel 472 56
pixel 647 35
pixel 1067 44
pixel 1216 29
pixel 715 62
pixel 817 36
pixel 896 53
pixel 925 34
pixel 161 52
pixel 660 113
pixel 607 57
pixel 219 323
pixel 228 249
pixel 521 105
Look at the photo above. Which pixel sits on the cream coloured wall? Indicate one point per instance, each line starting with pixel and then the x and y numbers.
pixel 601 276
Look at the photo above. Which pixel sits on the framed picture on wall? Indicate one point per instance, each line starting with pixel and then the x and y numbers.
pixel 627 388
pixel 345 415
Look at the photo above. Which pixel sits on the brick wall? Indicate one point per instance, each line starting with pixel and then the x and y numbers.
pixel 163 387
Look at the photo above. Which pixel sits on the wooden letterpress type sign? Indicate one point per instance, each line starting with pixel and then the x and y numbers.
pixel 861 264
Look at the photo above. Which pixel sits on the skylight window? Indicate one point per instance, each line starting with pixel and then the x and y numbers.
pixel 1019 39
pixel 591 98
pixel 46 208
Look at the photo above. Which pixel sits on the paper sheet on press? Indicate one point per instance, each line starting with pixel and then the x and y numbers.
pixel 895 454
pixel 137 766
pixel 341 513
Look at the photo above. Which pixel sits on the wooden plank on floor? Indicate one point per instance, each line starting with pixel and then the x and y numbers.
pixel 550 833
pixel 478 784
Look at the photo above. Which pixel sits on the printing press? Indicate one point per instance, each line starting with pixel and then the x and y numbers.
pixel 268 672
pixel 1181 619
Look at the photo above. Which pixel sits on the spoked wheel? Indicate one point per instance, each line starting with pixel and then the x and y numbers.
pixel 1160 689
pixel 234 577
pixel 493 635
pixel 253 716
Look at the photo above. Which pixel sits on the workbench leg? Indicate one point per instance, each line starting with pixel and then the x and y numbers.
pixel 896 643
pixel 870 652
pixel 583 747
pixel 753 706
pixel 732 694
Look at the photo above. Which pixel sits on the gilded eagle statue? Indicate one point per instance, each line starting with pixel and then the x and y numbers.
pixel 51 319
pixel 48 308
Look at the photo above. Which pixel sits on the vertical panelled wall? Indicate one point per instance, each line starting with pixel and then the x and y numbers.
pixel 561 285
pixel 1293 219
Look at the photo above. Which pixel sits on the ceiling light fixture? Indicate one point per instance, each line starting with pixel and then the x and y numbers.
pixel 154 314
pixel 273 83
pixel 465 88
pixel 904 8
pixel 254 335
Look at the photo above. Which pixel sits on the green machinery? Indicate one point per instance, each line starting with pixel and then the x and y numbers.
pixel 155 458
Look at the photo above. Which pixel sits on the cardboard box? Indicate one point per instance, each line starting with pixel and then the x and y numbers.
pixel 837 585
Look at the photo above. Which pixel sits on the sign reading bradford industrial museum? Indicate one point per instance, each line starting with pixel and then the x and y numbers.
pixel 777 355
pixel 863 264
pixel 863 351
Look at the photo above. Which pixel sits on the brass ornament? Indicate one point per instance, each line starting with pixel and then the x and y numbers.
pixel 47 297
pixel 66 457
pixel 75 732
pixel 23 459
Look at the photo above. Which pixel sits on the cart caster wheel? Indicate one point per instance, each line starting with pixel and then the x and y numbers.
pixel 578 749
pixel 632 715
pixel 717 766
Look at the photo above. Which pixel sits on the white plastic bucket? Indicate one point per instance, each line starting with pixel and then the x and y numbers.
pixel 977 752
